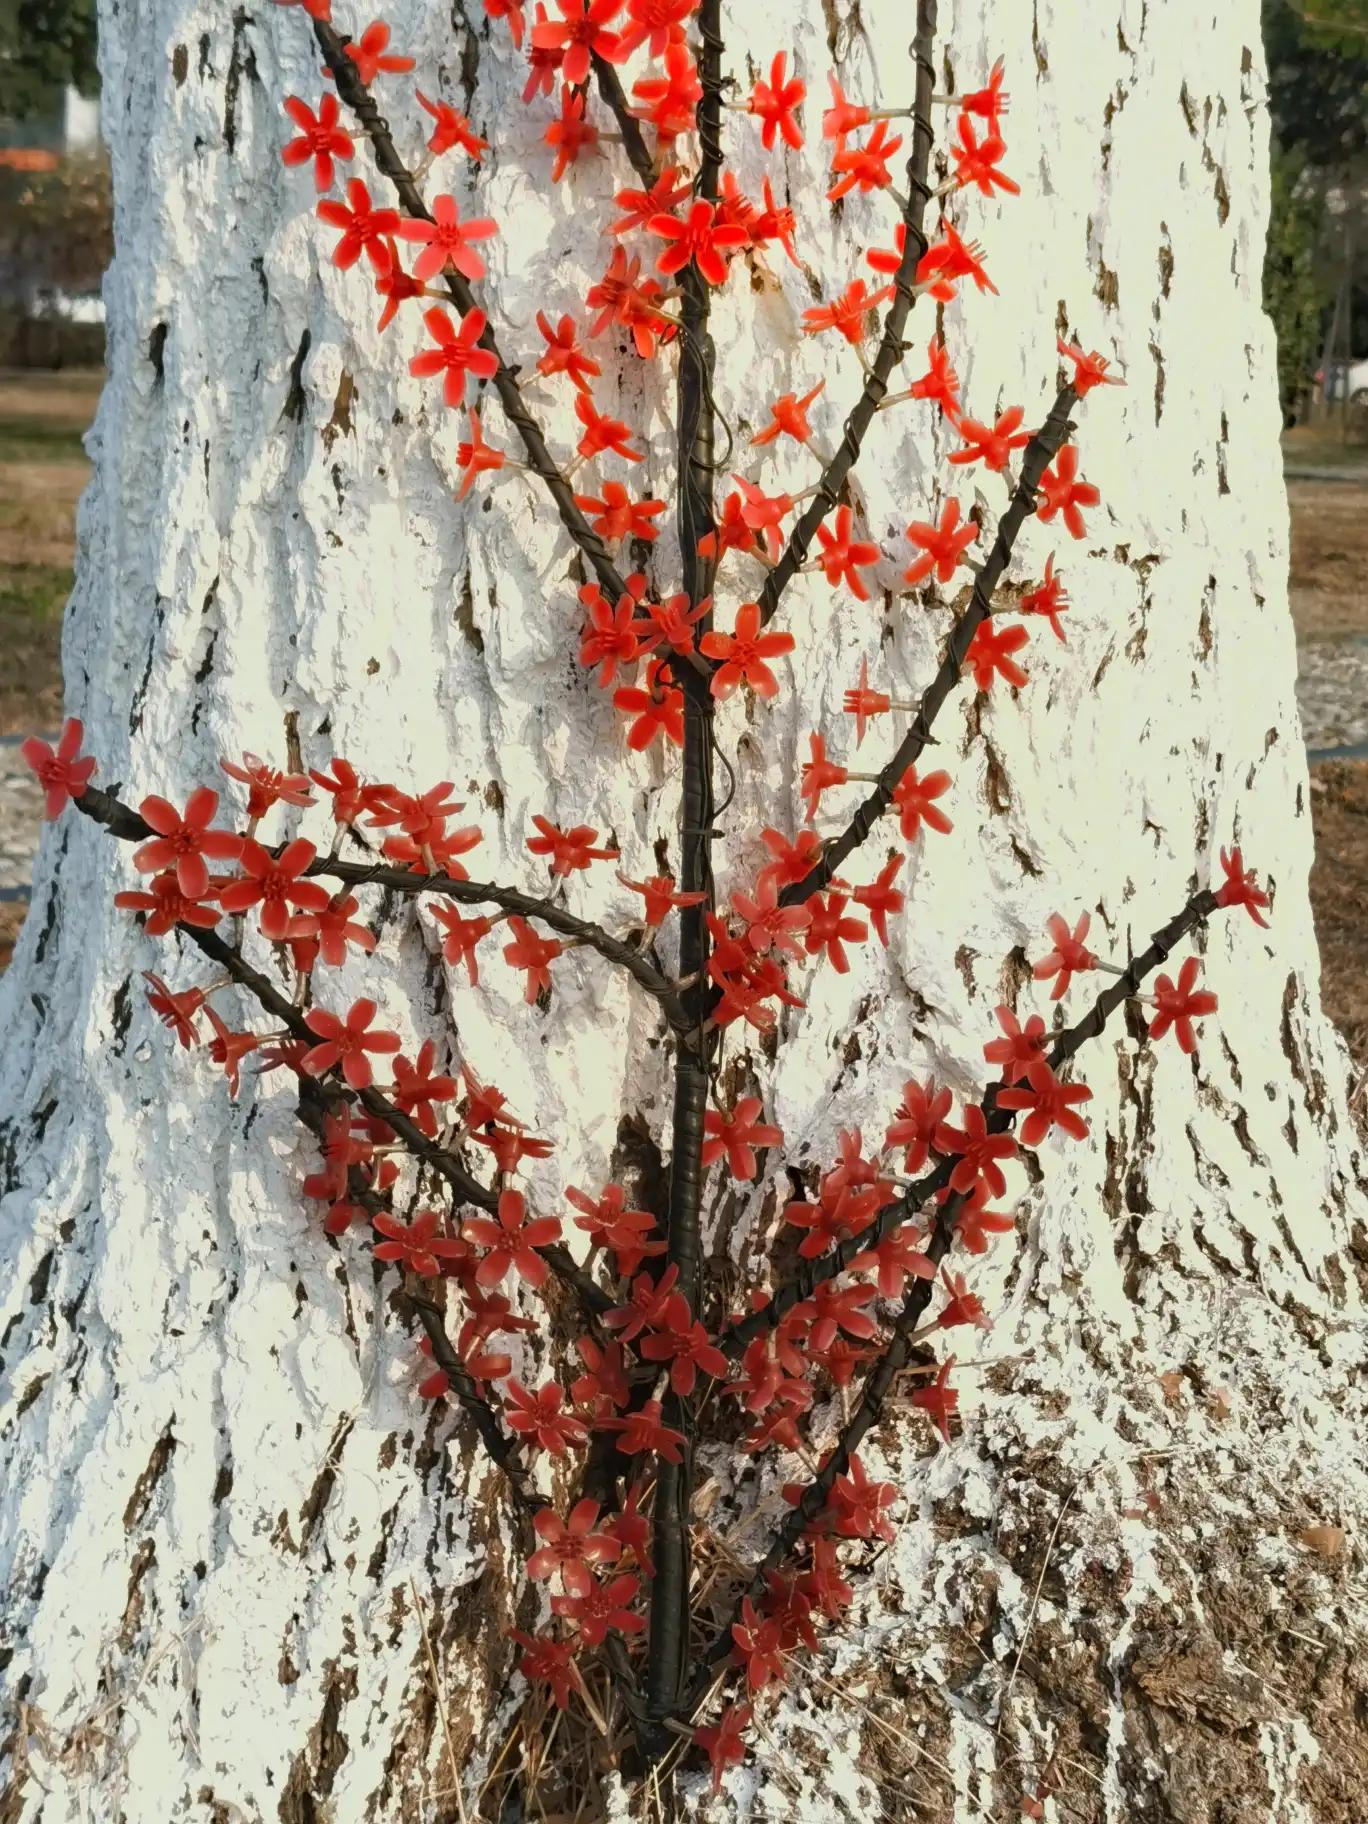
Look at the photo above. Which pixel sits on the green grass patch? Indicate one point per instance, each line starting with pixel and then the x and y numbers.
pixel 32 597
pixel 25 439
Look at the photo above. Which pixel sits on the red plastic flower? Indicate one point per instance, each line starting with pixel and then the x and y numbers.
pixel 452 129
pixel 843 116
pixel 568 849
pixel 1019 1049
pixel 532 953
pixel 456 353
pixel 267 786
pixel 328 932
pixel 571 134
pixel 320 138
pixel 61 773
pixel 723 1741
pixel 183 841
pixel 919 1118
pixel 990 654
pixel 843 558
pixel 1241 887
pixel 1062 492
pixel 643 1431
pixel 665 194
pixel 989 103
pixel 613 635
pixel 416 1088
pixel 346 1042
pixel 851 313
pixel 993 444
pixel 912 798
pixel 975 1223
pixel 273 883
pixel 880 898
pixel 614 515
pixel 580 35
pixel 364 229
pixel 1178 1005
pixel 768 922
pixel 564 354
pixel 775 103
pixel 819 775
pixel 626 1232
pixel 898 1257
pixel 372 56
pixel 570 1546
pixel 396 287
pixel 670 102
pixel 662 21
pixel 475 457
pixel 544 1661
pixel 418 1245
pixel 734 1137
pixel 166 906
pixel 658 706
pixel 977 161
pixel 864 167
pixel 603 1387
pixel 178 1011
pixel 661 896
pixel 511 1241
pixel 976 1152
pixel 539 1418
pixel 512 10
pixel 446 241
pixel 939 1399
pixel 742 654
pixel 944 264
pixel 831 930
pixel 1070 955
pixel 1048 599
pixel 940 383
pixel 684 1344
pixel 460 937
pixel 1048 1102
pixel 863 703
pixel 1089 370
pixel 759 1646
pixel 603 433
pixel 943 546
pixel 700 237
pixel 789 418
pixel 961 1306
pixel 228 1049
pixel 791 862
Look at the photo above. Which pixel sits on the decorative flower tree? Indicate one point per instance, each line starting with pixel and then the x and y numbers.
pixel 655 1376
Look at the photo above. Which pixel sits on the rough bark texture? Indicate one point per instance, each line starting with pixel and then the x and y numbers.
pixel 220 1492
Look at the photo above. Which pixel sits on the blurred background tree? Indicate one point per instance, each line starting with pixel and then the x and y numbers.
pixel 1318 236
pixel 45 45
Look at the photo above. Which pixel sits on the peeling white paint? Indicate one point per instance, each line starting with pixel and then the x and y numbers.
pixel 159 1272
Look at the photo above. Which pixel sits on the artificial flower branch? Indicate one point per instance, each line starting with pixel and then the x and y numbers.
pixel 1040 453
pixel 539 459
pixel 897 1354
pixel 827 493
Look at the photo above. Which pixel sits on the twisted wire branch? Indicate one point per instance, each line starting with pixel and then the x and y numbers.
pixel 670 1606
pixel 882 1374
pixel 539 459
pixel 1039 454
pixel 891 346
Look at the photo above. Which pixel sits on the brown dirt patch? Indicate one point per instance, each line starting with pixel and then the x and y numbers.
pixel 1339 895
pixel 1329 558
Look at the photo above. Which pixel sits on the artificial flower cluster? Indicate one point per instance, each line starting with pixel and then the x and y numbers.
pixel 417 1153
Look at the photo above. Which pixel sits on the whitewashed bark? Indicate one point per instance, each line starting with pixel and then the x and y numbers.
pixel 220 1491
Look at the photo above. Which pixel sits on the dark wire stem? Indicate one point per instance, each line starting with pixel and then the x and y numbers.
pixel 1039 454
pixel 802 1285
pixel 633 139
pixel 539 459
pixel 123 822
pixel 670 1603
pixel 891 346
pixel 895 1357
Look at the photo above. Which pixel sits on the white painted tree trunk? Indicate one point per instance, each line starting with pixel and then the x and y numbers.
pixel 221 1494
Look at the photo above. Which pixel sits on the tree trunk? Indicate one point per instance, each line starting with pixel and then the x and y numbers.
pixel 226 1515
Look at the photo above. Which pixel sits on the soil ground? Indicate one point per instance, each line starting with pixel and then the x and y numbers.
pixel 43 469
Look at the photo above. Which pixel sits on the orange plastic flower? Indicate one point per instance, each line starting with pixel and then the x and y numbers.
pixel 742 655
